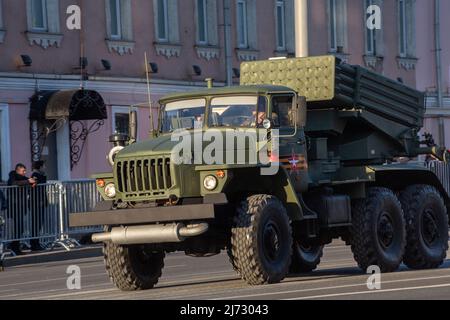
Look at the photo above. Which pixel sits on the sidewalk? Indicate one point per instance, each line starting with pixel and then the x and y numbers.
pixel 57 254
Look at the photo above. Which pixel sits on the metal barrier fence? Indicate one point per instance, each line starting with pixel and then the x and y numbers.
pixel 42 213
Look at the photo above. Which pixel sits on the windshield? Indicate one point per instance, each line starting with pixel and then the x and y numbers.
pixel 186 114
pixel 237 111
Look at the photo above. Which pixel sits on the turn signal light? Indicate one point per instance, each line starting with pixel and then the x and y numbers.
pixel 100 183
pixel 220 174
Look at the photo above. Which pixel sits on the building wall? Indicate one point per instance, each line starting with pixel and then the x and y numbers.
pixel 53 67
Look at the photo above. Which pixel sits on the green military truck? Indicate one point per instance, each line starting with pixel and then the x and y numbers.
pixel 346 140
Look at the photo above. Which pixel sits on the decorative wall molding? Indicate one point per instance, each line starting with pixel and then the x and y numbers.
pixel 247 54
pixel 121 47
pixel 407 63
pixel 44 39
pixel 207 52
pixel 372 61
pixel 2 36
pixel 118 86
pixel 168 50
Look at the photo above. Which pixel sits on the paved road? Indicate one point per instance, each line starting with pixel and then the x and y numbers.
pixel 212 278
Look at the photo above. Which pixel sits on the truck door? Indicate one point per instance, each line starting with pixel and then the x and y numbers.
pixel 292 141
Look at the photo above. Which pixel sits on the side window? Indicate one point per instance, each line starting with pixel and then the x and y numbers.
pixel 120 119
pixel 283 111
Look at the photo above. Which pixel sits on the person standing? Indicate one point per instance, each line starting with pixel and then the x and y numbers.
pixel 39 203
pixel 18 210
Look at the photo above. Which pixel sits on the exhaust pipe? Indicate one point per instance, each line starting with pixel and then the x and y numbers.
pixel 169 233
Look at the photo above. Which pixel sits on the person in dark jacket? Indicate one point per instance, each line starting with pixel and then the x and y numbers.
pixel 39 202
pixel 18 210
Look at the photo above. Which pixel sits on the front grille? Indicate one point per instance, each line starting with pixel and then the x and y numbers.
pixel 148 176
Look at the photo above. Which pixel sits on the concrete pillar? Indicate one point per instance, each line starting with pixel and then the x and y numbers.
pixel 301 28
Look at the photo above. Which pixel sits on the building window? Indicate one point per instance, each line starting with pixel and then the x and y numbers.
pixel 116 24
pixel 166 21
pixel 280 12
pixel 242 27
pixel 1 15
pixel 406 28
pixel 118 18
pixel 333 25
pixel 121 120
pixel 43 23
pixel 371 44
pixel 163 23
pixel 202 23
pixel 39 15
pixel 337 26
pixel 119 26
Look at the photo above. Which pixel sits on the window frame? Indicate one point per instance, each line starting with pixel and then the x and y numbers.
pixel 166 21
pixel 44 28
pixel 244 25
pixel 280 4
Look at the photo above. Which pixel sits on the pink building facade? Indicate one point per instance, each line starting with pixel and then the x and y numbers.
pixel 176 36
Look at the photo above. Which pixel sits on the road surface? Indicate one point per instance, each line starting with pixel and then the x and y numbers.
pixel 188 278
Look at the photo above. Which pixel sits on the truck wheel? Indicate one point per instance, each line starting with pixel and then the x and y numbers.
pixel 261 240
pixel 133 267
pixel 305 258
pixel 378 230
pixel 426 227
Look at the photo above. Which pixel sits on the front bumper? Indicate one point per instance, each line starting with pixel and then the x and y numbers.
pixel 204 211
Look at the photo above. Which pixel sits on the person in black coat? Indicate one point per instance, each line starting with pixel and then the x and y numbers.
pixel 19 202
pixel 39 203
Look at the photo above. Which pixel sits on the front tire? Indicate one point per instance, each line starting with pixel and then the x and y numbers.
pixel 378 231
pixel 426 226
pixel 134 267
pixel 261 240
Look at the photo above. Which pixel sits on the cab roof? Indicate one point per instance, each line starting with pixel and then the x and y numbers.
pixel 235 90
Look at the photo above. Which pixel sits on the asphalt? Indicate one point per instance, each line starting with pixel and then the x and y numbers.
pixel 189 278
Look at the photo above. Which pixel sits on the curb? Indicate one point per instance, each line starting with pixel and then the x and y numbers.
pixel 53 256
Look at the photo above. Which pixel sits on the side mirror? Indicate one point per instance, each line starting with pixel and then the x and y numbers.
pixel 301 112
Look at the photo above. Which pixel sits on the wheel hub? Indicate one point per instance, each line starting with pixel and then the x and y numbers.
pixel 271 241
pixel 385 230
pixel 429 230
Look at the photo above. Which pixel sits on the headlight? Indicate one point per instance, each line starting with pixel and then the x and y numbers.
pixel 210 183
pixel 110 190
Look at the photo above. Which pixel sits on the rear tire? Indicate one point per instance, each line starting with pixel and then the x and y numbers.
pixel 378 230
pixel 134 267
pixel 426 226
pixel 305 258
pixel 261 240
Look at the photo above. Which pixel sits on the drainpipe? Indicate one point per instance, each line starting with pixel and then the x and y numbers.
pixel 227 41
pixel 301 28
pixel 440 100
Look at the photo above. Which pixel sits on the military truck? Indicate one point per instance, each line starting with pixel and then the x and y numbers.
pixel 348 145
